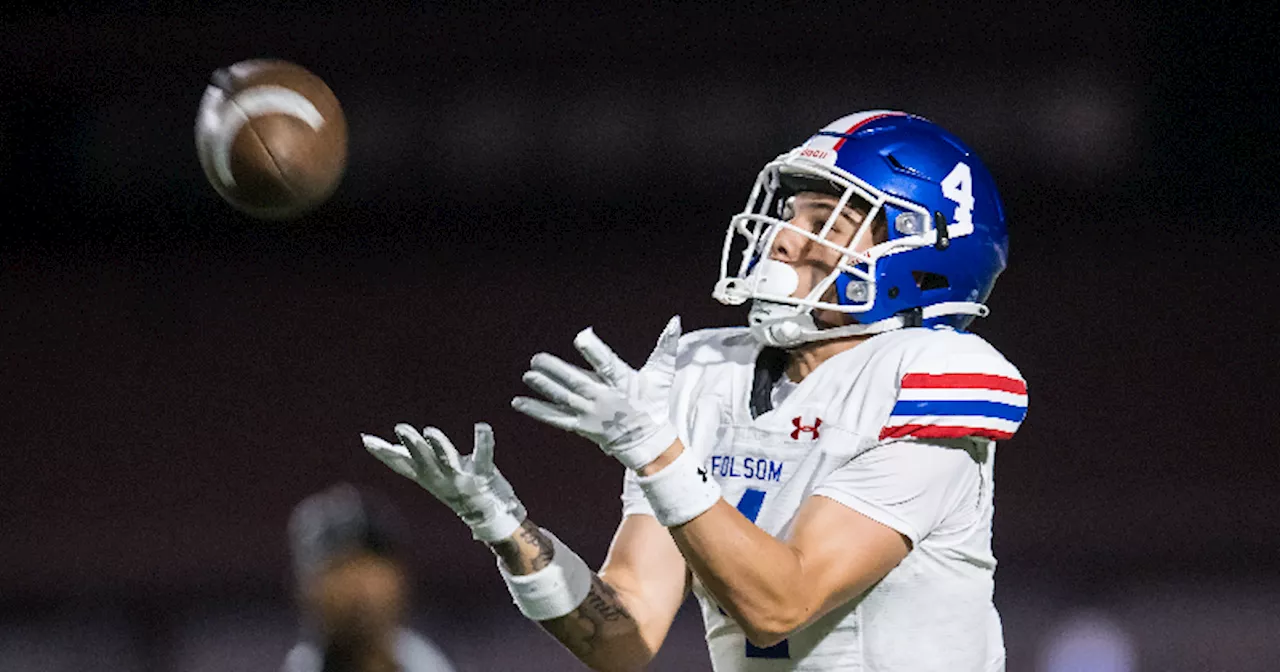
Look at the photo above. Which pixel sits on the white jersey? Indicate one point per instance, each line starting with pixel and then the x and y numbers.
pixel 901 429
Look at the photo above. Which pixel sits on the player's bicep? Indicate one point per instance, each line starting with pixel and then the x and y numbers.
pixel 649 574
pixel 842 552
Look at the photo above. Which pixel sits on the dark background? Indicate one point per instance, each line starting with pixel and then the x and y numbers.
pixel 175 376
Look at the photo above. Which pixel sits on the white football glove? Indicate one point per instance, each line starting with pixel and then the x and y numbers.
pixel 623 410
pixel 469 484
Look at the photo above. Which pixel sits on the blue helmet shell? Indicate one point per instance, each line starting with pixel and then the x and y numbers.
pixel 909 157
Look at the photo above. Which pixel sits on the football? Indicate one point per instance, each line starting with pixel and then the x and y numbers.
pixel 271 137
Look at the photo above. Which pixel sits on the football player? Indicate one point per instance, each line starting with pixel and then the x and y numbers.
pixel 352 589
pixel 820 479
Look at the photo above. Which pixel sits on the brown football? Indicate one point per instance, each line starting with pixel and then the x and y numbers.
pixel 271 137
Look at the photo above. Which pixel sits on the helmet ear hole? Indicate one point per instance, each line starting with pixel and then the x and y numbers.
pixel 926 280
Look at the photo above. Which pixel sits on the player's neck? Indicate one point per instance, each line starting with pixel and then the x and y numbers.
pixel 802 360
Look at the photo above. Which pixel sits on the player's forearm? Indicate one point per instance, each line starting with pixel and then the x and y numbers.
pixel 526 551
pixel 755 578
pixel 602 631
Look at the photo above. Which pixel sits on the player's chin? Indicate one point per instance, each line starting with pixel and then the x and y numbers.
pixel 830 319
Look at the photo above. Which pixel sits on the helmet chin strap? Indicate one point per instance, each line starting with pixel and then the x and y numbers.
pixel 779 326
pixel 783 325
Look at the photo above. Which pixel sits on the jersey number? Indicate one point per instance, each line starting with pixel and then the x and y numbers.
pixel 958 186
pixel 749 507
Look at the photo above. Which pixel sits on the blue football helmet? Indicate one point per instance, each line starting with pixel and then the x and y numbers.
pixel 942 239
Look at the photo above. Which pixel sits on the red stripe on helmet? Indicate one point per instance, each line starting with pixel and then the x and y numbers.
pixel 864 122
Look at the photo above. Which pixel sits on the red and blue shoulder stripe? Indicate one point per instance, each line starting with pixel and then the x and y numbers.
pixel 955 405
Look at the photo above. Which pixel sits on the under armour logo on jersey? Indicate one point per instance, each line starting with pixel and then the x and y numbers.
pixel 800 428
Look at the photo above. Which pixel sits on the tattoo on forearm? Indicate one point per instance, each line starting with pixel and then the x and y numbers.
pixel 575 630
pixel 527 551
pixel 582 629
pixel 531 535
pixel 604 600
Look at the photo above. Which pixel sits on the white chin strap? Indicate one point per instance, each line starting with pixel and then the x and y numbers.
pixel 783 325
pixel 780 326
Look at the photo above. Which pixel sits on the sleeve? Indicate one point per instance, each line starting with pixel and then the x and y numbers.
pixel 633 499
pixel 910 486
pixel 977 395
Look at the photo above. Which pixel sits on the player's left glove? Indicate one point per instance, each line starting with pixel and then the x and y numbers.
pixel 622 410
pixel 469 484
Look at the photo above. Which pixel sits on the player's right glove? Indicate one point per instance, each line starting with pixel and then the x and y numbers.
pixel 622 410
pixel 469 484
pixel 626 413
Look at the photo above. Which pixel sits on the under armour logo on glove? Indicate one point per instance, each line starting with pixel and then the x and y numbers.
pixel 612 426
pixel 799 428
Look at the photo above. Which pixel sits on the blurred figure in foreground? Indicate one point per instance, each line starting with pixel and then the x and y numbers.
pixel 352 589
